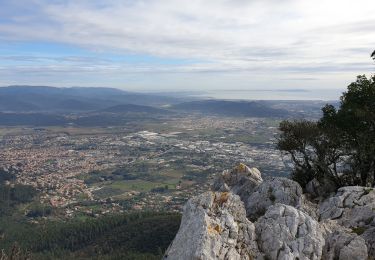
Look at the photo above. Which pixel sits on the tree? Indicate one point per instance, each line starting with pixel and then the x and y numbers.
pixel 296 140
pixel 313 153
pixel 354 124
pixel 340 147
pixel 15 254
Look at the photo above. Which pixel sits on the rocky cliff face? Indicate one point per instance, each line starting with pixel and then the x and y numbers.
pixel 246 217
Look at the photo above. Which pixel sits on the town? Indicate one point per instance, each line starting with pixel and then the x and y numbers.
pixel 154 166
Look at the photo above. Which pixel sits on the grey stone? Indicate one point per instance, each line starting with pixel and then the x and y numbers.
pixel 285 232
pixel 312 187
pixel 289 226
pixel 352 206
pixel 342 243
pixel 272 191
pixel 369 237
pixel 315 189
pixel 214 226
pixel 241 180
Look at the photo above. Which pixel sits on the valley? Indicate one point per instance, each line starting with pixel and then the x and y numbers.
pixel 101 170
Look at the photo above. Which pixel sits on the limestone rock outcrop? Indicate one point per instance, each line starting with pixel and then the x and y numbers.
pixel 272 191
pixel 352 206
pixel 345 246
pixel 342 243
pixel 241 180
pixel 285 232
pixel 214 226
pixel 369 237
pixel 245 217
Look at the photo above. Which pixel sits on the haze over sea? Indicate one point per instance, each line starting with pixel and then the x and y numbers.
pixel 274 94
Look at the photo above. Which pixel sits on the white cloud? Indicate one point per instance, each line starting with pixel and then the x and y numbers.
pixel 255 38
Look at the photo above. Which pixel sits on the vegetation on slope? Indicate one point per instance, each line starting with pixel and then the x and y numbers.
pixel 25 233
pixel 143 235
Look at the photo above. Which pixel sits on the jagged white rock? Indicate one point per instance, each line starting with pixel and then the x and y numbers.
pixel 352 206
pixel 369 236
pixel 214 226
pixel 342 243
pixel 272 191
pixel 288 226
pixel 285 232
pixel 241 180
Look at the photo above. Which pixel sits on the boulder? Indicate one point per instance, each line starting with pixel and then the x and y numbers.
pixel 369 237
pixel 286 224
pixel 214 226
pixel 285 232
pixel 352 206
pixel 315 189
pixel 241 180
pixel 272 191
pixel 342 243
pixel 310 208
pixel 312 188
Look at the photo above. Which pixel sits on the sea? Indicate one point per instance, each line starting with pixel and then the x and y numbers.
pixel 273 94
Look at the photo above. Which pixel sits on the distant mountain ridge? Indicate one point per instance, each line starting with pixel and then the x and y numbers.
pixel 48 106
pixel 52 99
pixel 74 91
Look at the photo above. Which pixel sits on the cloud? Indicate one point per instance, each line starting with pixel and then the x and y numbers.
pixel 223 36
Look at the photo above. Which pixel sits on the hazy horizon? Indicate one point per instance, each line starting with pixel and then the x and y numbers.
pixel 234 94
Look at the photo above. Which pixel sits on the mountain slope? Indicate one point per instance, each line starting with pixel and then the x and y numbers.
pixel 50 99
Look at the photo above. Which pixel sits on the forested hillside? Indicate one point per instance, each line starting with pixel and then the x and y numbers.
pixel 23 222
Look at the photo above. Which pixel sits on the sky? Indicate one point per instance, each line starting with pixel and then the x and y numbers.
pixel 179 45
